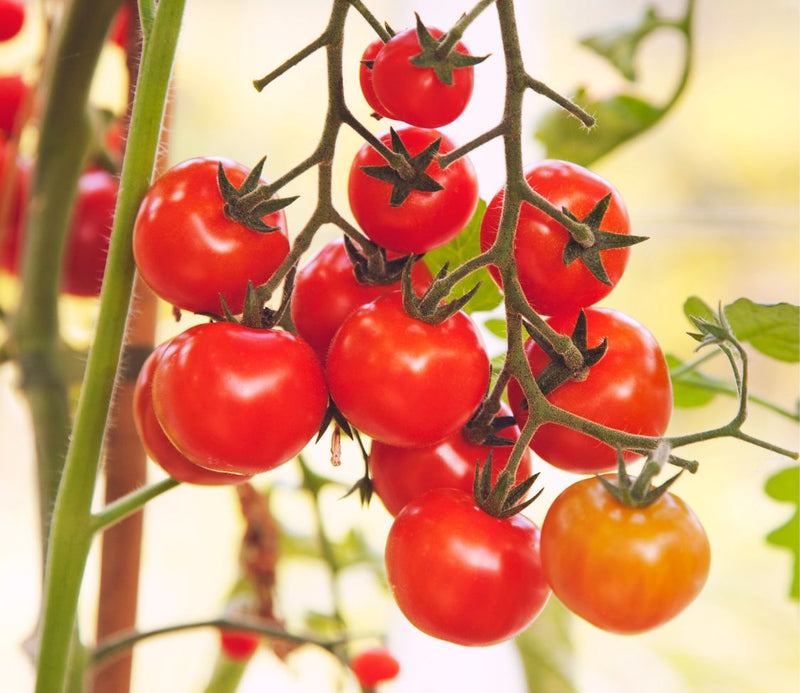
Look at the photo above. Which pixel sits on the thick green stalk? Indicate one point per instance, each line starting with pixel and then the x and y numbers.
pixel 71 532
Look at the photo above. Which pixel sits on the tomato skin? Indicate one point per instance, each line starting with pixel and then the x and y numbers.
pixel 628 389
pixel 155 442
pixel 625 570
pixel 550 286
pixel 238 645
pixel 373 666
pixel 461 575
pixel 425 220
pixel 402 381
pixel 12 17
pixel 236 399
pixel 13 92
pixel 414 94
pixel 365 79
pixel 400 475
pixel 326 291
pixel 10 235
pixel 189 252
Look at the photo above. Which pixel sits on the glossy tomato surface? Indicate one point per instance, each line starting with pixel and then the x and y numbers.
pixel 236 399
pixel 402 381
pixel 400 475
pixel 155 442
pixel 460 574
pixel 425 220
pixel 189 252
pixel 326 291
pixel 628 389
pixel 625 570
pixel 365 78
pixel 414 94
pixel 550 286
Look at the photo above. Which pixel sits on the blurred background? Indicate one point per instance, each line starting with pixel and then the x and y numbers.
pixel 714 185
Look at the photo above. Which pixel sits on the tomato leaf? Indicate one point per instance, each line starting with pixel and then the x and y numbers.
pixel 784 487
pixel 772 329
pixel 463 247
pixel 497 327
pixel 697 307
pixel 690 388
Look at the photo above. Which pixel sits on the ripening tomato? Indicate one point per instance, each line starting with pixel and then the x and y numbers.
pixel 12 17
pixel 550 286
pixel 365 78
pixel 326 291
pixel 416 95
pixel 402 381
pixel 236 399
pixel 373 666
pixel 625 570
pixel 628 389
pixel 424 220
pixel 13 92
pixel 461 575
pixel 238 645
pixel 155 442
pixel 401 474
pixel 189 252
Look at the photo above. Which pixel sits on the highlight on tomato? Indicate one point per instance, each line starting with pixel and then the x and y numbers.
pixel 628 389
pixel 462 575
pixel 624 569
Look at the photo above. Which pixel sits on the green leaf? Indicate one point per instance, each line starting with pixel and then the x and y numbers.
pixel 785 487
pixel 698 308
pixel 690 388
pixel 497 327
pixel 772 329
pixel 619 119
pixel 463 247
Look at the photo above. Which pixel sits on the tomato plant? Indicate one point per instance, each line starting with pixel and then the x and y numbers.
pixel 374 666
pixel 417 383
pixel 429 215
pixel 629 389
pixel 267 389
pixel 462 575
pixel 238 645
pixel 12 17
pixel 623 569
pixel 551 285
pixel 189 252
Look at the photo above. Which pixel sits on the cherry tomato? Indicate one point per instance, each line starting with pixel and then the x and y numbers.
pixel 189 252
pixel 238 645
pixel 373 666
pixel 156 444
pixel 365 78
pixel 119 33
pixel 550 286
pixel 461 575
pixel 425 220
pixel 326 291
pixel 12 17
pixel 18 170
pixel 236 399
pixel 625 570
pixel 628 389
pixel 402 381
pixel 414 94
pixel 401 474
pixel 13 92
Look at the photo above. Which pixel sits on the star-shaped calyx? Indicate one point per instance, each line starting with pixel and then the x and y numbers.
pixel 603 240
pixel 403 185
pixel 557 372
pixel 442 65
pixel 372 267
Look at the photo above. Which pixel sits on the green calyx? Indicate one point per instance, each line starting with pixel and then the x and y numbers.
pixel 404 184
pixel 429 307
pixel 504 499
pixel 371 266
pixel 245 204
pixel 603 240
pixel 431 55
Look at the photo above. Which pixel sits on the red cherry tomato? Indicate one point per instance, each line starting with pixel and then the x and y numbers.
pixel 238 645
pixel 550 286
pixel 12 17
pixel 236 399
pixel 628 389
pixel 625 570
pixel 189 252
pixel 414 94
pixel 119 33
pixel 401 474
pixel 326 291
pixel 373 666
pixel 156 444
pixel 402 381
pixel 365 78
pixel 18 170
pixel 425 220
pixel 461 575
pixel 13 92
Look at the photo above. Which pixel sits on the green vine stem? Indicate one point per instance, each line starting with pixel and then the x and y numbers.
pixel 129 504
pixel 71 532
